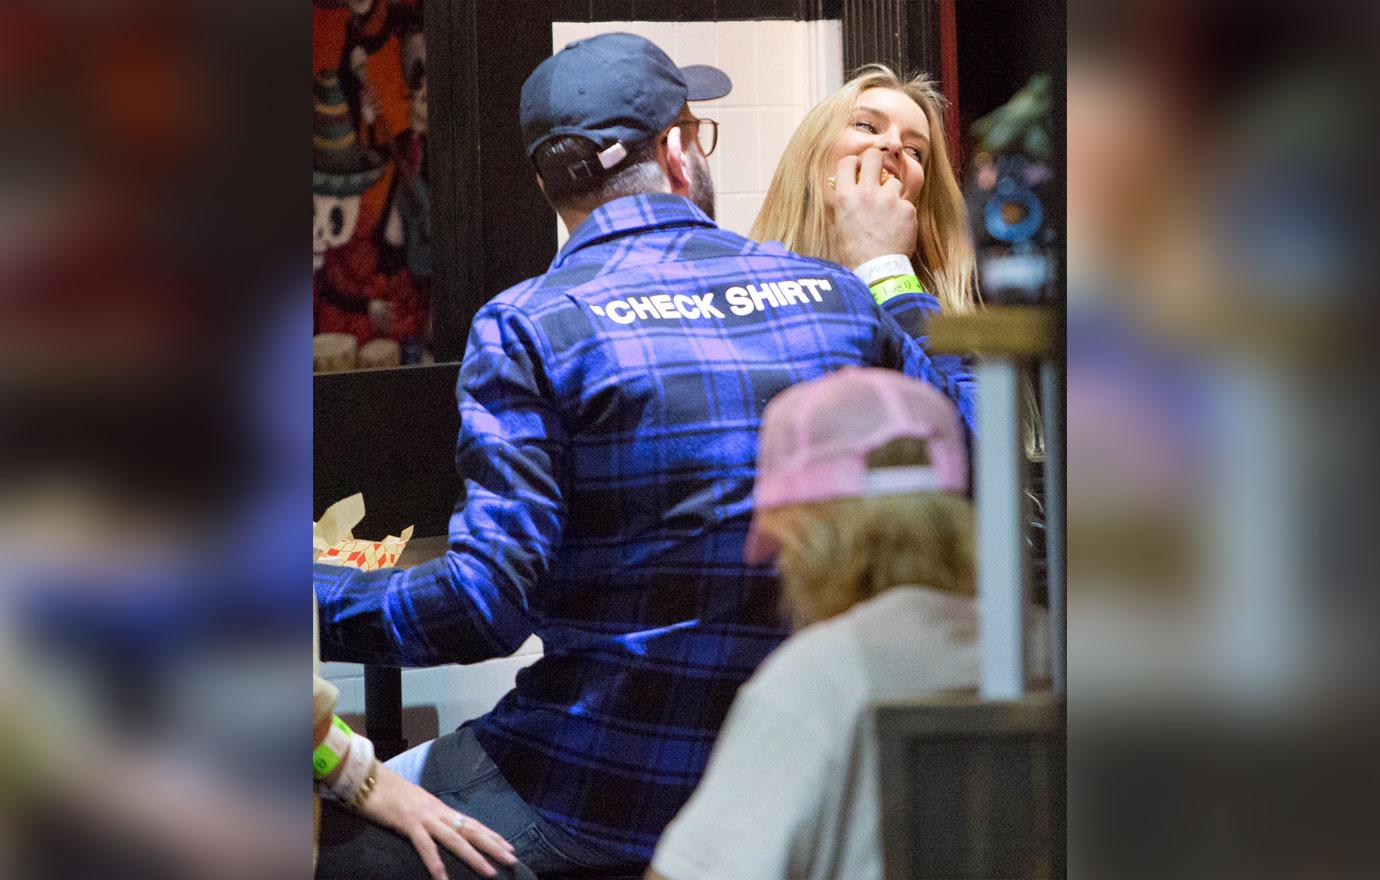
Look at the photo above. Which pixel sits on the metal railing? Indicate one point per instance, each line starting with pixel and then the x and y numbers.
pixel 1003 340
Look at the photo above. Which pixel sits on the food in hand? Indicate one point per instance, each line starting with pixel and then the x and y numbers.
pixel 885 176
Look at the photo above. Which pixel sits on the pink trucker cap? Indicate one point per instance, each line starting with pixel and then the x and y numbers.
pixel 816 436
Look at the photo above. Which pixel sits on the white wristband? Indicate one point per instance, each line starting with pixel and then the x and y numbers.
pixel 354 770
pixel 881 268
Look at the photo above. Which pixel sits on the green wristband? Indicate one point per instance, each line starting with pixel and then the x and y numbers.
pixel 327 756
pixel 889 287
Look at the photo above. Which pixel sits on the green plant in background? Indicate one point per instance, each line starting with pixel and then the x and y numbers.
pixel 1021 124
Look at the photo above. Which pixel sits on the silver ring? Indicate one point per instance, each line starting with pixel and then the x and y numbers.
pixel 458 822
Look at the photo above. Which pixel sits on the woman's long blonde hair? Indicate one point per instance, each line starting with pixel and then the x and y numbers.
pixel 797 213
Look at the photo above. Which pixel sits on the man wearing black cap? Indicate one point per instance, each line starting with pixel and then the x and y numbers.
pixel 609 411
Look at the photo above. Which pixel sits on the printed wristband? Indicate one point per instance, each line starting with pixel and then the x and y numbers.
pixel 356 770
pixel 327 756
pixel 882 268
pixel 885 290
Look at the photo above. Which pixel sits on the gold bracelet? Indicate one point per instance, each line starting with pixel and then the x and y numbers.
pixel 364 790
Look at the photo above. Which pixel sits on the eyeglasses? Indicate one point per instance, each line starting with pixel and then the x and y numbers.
pixel 704 131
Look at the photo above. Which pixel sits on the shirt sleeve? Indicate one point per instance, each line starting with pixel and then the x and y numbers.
pixel 756 813
pixel 912 311
pixel 475 602
pixel 909 312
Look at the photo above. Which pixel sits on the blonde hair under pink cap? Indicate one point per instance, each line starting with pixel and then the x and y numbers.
pixel 816 437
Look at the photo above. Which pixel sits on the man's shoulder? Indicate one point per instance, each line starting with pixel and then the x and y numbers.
pixel 775 251
pixel 541 293
pixel 841 276
pixel 715 251
pixel 768 258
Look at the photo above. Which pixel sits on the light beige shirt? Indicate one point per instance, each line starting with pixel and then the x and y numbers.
pixel 791 790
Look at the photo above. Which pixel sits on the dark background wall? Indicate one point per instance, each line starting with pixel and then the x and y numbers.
pixel 1001 43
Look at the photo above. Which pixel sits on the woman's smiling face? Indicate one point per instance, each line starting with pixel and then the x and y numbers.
pixel 890 121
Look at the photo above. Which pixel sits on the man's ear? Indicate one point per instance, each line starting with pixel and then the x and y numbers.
pixel 676 161
pixel 542 186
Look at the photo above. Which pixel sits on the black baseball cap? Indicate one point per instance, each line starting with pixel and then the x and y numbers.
pixel 618 90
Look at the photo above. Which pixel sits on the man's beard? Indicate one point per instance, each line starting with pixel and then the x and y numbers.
pixel 701 186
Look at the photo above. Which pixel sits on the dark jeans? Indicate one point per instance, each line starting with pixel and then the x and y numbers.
pixel 457 770
pixel 353 848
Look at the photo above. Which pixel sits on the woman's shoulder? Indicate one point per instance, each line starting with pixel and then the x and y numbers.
pixel 899 605
pixel 815 667
pixel 833 656
pixel 919 615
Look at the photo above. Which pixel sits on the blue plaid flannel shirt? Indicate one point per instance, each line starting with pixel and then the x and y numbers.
pixel 609 413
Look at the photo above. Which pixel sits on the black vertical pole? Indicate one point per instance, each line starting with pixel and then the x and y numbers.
pixel 383 710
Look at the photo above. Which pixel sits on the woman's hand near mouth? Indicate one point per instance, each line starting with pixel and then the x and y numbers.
pixel 870 216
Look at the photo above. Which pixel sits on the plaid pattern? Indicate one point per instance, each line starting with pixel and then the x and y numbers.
pixel 608 471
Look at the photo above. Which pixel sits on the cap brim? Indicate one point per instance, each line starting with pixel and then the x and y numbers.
pixel 705 83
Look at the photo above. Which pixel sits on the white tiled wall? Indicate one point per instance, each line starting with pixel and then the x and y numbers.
pixel 779 70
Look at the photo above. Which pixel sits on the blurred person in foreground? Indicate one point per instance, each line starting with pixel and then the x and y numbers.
pixel 609 413
pixel 1221 440
pixel 861 498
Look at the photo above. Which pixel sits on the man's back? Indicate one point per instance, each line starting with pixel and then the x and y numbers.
pixel 609 414
pixel 660 340
pixel 659 346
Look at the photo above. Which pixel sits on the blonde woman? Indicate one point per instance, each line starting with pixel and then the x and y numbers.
pixel 861 498
pixel 831 178
pixel 867 179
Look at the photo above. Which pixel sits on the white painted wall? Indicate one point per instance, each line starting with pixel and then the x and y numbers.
pixel 458 693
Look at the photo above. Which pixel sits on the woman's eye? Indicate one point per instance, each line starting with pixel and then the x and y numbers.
pixel 865 126
pixel 916 154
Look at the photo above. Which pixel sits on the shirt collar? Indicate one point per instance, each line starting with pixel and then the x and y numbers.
pixel 629 215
